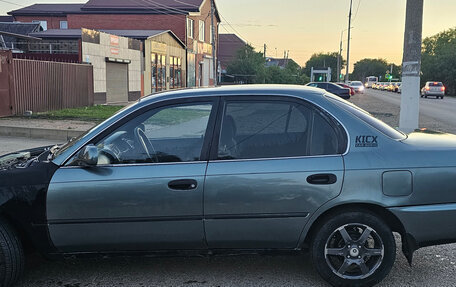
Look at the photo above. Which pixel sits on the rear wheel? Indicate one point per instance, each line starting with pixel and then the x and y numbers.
pixel 353 249
pixel 11 255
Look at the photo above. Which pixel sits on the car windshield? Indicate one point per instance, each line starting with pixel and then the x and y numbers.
pixel 368 118
pixel 435 84
pixel 357 84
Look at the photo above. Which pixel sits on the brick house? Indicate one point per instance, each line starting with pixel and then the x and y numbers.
pixel 188 19
pixel 229 45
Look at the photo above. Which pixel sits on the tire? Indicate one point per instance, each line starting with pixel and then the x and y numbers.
pixel 11 255
pixel 365 266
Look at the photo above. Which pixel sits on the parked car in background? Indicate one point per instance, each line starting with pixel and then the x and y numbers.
pixel 352 91
pixel 358 86
pixel 433 89
pixel 234 170
pixel 389 87
pixel 333 88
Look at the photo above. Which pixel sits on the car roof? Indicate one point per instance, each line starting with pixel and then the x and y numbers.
pixel 238 90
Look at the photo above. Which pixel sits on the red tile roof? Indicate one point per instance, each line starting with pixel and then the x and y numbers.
pixel 48 9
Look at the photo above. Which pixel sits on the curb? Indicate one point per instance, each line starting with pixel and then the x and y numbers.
pixel 38 133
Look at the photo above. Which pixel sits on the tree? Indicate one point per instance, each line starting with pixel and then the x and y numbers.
pixel 370 67
pixel 439 59
pixel 324 60
pixel 291 74
pixel 248 67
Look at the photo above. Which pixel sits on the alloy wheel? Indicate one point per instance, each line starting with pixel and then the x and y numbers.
pixel 354 251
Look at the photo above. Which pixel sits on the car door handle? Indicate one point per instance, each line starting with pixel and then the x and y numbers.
pixel 322 179
pixel 183 184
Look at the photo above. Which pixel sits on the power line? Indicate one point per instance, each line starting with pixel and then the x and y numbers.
pixel 185 3
pixel 236 31
pixel 156 11
pixel 167 7
pixel 12 3
pixel 357 10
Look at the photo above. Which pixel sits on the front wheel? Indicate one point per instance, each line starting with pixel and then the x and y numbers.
pixel 353 249
pixel 11 255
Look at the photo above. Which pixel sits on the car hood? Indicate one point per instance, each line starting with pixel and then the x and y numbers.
pixel 24 159
pixel 431 140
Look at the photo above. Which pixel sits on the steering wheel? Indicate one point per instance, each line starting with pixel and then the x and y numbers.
pixel 144 142
pixel 109 155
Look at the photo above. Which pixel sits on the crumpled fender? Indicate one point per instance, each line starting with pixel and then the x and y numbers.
pixel 23 193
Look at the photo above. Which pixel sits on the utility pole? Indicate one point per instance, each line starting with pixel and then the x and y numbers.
pixel 348 44
pixel 214 46
pixel 411 66
pixel 339 58
pixel 265 47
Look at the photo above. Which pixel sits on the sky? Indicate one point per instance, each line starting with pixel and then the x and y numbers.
pixel 305 27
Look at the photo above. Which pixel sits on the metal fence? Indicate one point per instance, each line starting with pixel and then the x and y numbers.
pixel 41 86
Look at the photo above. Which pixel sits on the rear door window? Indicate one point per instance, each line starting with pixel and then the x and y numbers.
pixel 274 129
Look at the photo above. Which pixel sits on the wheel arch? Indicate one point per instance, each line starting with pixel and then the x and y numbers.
pixel 20 230
pixel 390 219
pixel 409 245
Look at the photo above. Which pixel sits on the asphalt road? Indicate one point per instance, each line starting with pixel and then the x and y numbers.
pixel 440 110
pixel 433 266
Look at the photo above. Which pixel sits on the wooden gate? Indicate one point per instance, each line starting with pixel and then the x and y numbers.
pixel 6 84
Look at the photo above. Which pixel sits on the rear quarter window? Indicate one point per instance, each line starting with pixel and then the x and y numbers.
pixel 367 118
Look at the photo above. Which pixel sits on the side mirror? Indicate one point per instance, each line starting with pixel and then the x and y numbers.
pixel 88 156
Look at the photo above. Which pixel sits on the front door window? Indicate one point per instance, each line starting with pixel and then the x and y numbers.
pixel 165 135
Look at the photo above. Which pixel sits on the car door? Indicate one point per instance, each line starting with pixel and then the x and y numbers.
pixel 323 86
pixel 335 89
pixel 274 162
pixel 146 191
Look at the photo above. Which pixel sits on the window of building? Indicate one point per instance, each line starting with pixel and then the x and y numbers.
pixel 42 23
pixel 190 28
pixel 202 31
pixel 63 24
pixel 175 70
pixel 158 69
pixel 274 129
